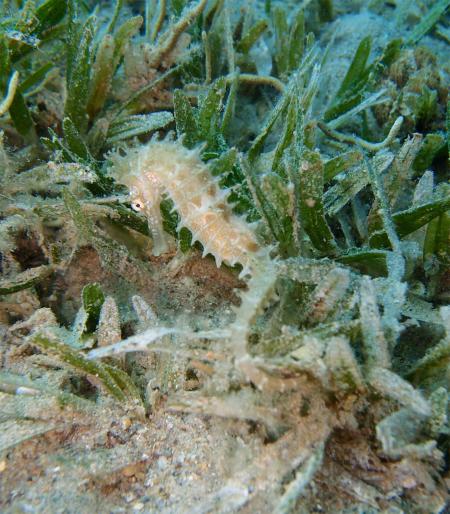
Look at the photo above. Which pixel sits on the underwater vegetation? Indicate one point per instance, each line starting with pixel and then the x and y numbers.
pixel 224 256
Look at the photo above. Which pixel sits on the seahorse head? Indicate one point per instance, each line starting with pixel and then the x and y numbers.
pixel 145 196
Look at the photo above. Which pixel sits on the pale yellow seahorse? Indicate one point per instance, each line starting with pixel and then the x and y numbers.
pixel 166 167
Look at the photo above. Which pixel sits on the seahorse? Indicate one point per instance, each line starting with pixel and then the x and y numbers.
pixel 166 167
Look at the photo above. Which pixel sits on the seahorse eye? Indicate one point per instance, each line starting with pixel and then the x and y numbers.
pixel 137 205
